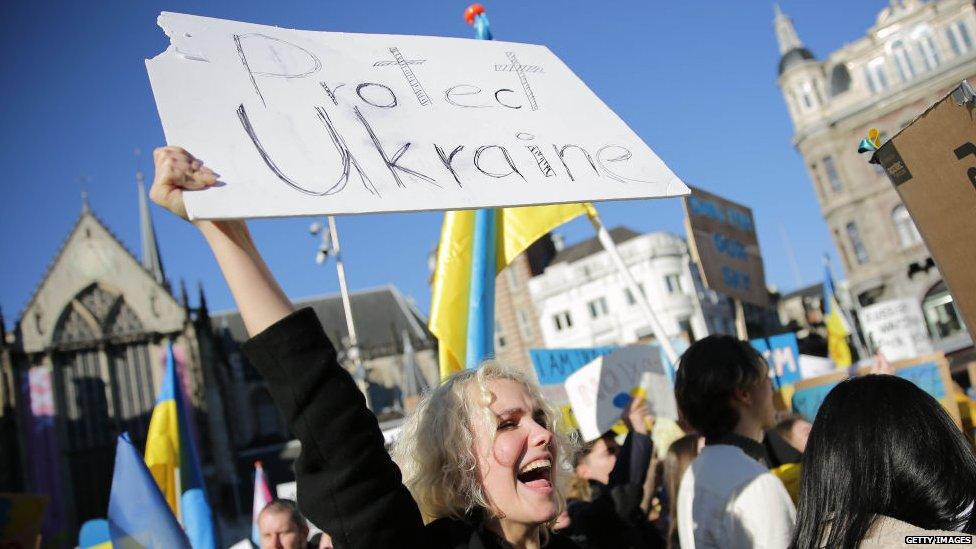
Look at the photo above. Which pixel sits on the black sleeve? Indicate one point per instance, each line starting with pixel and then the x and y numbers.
pixel 626 487
pixel 347 484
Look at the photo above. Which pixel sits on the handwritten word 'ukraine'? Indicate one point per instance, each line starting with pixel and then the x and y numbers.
pixel 492 160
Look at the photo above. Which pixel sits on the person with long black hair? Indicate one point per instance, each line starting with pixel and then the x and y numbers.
pixel 884 461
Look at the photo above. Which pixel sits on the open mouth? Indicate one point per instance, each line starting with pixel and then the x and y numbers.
pixel 537 475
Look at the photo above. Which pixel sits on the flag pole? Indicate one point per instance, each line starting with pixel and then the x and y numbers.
pixel 353 351
pixel 611 248
pixel 481 299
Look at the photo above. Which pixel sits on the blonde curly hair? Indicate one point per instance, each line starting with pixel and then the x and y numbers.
pixel 435 449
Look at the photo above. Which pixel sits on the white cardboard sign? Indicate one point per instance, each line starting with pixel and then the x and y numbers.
pixel 897 329
pixel 306 122
pixel 599 391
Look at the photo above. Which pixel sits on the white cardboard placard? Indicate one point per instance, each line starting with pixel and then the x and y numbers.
pixel 306 122
pixel 897 328
pixel 599 391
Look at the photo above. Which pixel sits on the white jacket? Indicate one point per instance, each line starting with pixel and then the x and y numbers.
pixel 729 500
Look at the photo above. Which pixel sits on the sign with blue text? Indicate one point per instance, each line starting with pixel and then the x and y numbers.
pixel 782 353
pixel 722 238
pixel 930 373
pixel 307 122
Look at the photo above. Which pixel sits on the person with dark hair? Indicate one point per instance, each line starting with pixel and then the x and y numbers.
pixel 605 512
pixel 282 526
pixel 728 497
pixel 884 461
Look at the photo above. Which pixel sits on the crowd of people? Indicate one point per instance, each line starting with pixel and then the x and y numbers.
pixel 485 462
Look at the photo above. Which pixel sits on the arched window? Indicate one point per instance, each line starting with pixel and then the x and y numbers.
pixel 907 232
pixel 927 49
pixel 840 80
pixel 874 74
pixel 940 313
pixel 854 236
pixel 903 61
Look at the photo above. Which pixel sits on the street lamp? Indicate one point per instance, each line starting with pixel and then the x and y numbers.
pixel 330 244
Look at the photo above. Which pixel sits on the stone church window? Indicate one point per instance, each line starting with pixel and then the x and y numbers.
pixel 907 232
pixel 832 176
pixel 874 74
pixel 927 50
pixel 903 62
pixel 854 236
pixel 958 36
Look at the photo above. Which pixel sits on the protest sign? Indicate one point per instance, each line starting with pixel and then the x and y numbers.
pixel 304 122
pixel 930 373
pixel 815 366
pixel 783 356
pixel 553 366
pixel 932 164
pixel 896 328
pixel 599 391
pixel 722 238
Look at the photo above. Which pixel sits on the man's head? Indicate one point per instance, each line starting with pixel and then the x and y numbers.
pixel 281 526
pixel 721 382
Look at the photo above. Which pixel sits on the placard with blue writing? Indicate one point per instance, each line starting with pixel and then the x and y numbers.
pixel 722 238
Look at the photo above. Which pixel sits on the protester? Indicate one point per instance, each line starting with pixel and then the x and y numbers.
pixel 727 497
pixel 321 540
pixel 606 509
pixel 480 455
pixel 680 455
pixel 281 526
pixel 787 440
pixel 884 461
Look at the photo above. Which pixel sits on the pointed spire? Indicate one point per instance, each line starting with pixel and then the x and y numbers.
pixel 150 248
pixel 184 297
pixel 202 297
pixel 85 208
pixel 785 33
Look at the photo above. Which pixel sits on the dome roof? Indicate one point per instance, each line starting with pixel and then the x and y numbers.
pixel 794 57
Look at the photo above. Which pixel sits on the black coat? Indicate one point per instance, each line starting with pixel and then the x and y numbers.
pixel 347 483
pixel 612 518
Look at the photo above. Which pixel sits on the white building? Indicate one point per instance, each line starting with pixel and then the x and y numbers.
pixel 582 300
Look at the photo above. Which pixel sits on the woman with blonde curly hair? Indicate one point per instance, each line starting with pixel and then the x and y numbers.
pixel 481 457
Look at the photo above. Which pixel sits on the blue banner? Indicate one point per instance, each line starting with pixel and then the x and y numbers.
pixel 783 356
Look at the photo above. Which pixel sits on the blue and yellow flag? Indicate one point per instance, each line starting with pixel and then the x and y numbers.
pixel 517 229
pixel 837 329
pixel 137 512
pixel 171 456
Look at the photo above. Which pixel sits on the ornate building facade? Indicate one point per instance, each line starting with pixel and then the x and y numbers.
pixel 85 363
pixel 913 55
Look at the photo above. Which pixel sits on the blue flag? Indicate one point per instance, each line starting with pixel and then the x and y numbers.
pixel 137 513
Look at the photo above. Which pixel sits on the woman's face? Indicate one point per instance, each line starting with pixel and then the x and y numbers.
pixel 515 455
pixel 599 462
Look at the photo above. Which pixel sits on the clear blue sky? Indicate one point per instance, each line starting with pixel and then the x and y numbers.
pixel 696 80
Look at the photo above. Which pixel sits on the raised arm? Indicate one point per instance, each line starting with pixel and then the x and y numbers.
pixel 259 298
pixel 347 483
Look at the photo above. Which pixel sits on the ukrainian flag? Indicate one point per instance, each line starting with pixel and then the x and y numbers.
pixel 171 456
pixel 515 230
pixel 837 329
